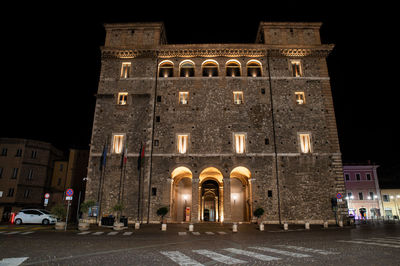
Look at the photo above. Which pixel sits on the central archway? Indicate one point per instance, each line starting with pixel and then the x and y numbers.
pixel 211 195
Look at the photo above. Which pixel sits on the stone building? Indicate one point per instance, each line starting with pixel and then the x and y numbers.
pixel 226 128
pixel 26 168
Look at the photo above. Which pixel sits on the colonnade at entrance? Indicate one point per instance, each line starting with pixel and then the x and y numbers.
pixel 210 197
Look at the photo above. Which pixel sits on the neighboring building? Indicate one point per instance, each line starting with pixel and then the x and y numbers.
pixel 26 167
pixel 227 128
pixel 70 174
pixel 362 190
pixel 391 202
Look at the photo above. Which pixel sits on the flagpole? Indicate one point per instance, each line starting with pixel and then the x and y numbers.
pixel 139 181
pixel 103 161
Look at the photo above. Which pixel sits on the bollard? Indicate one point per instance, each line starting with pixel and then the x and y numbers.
pixel 307 225
pixel 137 225
pixel 340 223
pixel 234 227
pixel 261 226
pixel 164 227
pixel 326 224
pixel 285 226
pixel 191 227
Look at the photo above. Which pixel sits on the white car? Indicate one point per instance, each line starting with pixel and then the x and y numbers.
pixel 34 216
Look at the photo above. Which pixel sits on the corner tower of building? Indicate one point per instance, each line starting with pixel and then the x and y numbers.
pixel 214 131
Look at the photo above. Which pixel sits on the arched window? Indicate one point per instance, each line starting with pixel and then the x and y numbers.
pixel 254 68
pixel 166 69
pixel 186 68
pixel 233 68
pixel 210 68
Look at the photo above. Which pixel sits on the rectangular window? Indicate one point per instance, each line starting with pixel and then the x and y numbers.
pixel 305 143
pixel 368 176
pixel 183 97
pixel 118 141
pixel 27 193
pixel 358 177
pixel 1 172
pixel 125 70
pixel 347 176
pixel 296 68
pixel 183 143
pixel 30 174
pixel 19 153
pixel 122 98
pixel 371 195
pixel 34 154
pixel 360 196
pixel 349 195
pixel 10 192
pixel 386 198
pixel 4 152
pixel 14 173
pixel 300 98
pixel 240 143
pixel 238 97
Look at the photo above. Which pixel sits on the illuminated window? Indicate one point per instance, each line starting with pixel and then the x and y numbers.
pixel 210 68
pixel 238 97
pixel 254 68
pixel 125 70
pixel 300 98
pixel 118 141
pixel 183 97
pixel 296 68
pixel 166 69
pixel 240 144
pixel 122 98
pixel 186 68
pixel 305 143
pixel 183 143
pixel 233 68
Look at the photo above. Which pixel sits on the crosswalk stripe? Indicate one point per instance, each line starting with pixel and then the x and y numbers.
pixel 112 233
pixel 180 258
pixel 222 233
pixel 127 233
pixel 182 233
pixel 98 233
pixel 196 233
pixel 283 252
pixel 383 240
pixel 210 233
pixel 312 250
pixel 84 233
pixel 368 243
pixel 218 257
pixel 251 254
pixel 27 233
pixel 12 233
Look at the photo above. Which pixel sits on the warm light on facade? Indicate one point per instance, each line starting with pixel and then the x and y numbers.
pixel 296 68
pixel 122 98
pixel 183 97
pixel 118 141
pixel 125 69
pixel 300 98
pixel 182 143
pixel 240 143
pixel 305 143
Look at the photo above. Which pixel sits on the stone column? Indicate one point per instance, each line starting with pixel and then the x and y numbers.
pixel 194 212
pixel 227 200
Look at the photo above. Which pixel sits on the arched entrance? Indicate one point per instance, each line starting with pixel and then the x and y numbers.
pixel 241 194
pixel 211 195
pixel 181 194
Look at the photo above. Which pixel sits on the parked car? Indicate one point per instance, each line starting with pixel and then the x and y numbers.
pixel 34 216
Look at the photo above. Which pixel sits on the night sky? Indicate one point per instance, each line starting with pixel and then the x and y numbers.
pixel 52 57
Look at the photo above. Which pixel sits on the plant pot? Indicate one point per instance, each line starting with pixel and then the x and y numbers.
pixel 82 226
pixel 118 226
pixel 60 225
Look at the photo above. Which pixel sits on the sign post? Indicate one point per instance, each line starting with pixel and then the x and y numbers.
pixel 68 196
pixel 46 199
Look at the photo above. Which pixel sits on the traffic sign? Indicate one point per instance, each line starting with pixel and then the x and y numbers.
pixel 339 196
pixel 47 195
pixel 69 192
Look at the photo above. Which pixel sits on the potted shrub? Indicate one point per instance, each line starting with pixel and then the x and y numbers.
pixel 118 208
pixel 162 212
pixel 59 211
pixel 258 213
pixel 84 208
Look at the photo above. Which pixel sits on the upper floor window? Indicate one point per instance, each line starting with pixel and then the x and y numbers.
pixel 233 68
pixel 118 140
pixel 254 68
pixel 19 153
pixel 182 143
pixel 368 176
pixel 125 70
pixel 33 154
pixel 4 152
pixel 166 69
pixel 360 196
pixel 386 198
pixel 296 68
pixel 347 177
pixel 305 143
pixel 14 173
pixel 210 68
pixel 30 174
pixel 183 97
pixel 240 142
pixel 186 68
pixel 238 97
pixel 122 98
pixel 358 177
pixel 300 98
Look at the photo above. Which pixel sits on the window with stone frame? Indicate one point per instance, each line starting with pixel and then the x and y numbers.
pixel 233 68
pixel 182 143
pixel 183 97
pixel 186 69
pixel 166 69
pixel 238 97
pixel 125 70
pixel 240 143
pixel 117 143
pixel 122 98
pixel 305 143
pixel 296 68
pixel 300 97
pixel 254 68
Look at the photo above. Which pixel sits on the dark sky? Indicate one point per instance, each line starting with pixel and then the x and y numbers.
pixel 52 56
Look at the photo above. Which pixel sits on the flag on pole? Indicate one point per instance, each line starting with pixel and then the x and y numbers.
pixel 103 158
pixel 141 155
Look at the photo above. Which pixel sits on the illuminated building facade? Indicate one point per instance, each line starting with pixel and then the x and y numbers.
pixel 225 128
